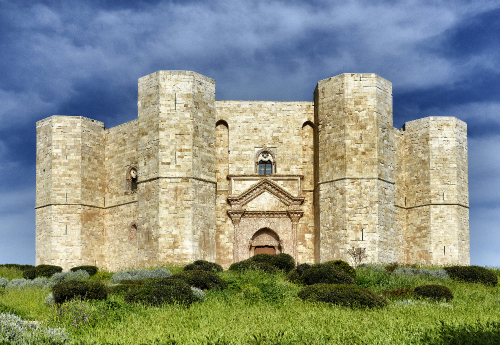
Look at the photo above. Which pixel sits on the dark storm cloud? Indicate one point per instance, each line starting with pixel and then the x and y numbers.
pixel 84 58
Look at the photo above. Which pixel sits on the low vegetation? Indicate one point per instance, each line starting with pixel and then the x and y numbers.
pixel 472 274
pixel 278 304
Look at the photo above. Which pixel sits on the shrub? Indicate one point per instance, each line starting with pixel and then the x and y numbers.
pixel 472 274
pixel 86 290
pixel 409 271
pixel 91 270
pixel 247 265
pixel 302 267
pixel 202 265
pixel 15 330
pixel 16 283
pixel 4 282
pixel 320 273
pixel 397 293
pixel 440 273
pixel 342 294
pixel 40 282
pixel 158 272
pixel 24 283
pixel 435 292
pixel 201 279
pixel 41 271
pixel 199 294
pixel 71 275
pixel 391 267
pixel 120 276
pixel 30 273
pixel 282 261
pixel 343 266
pixel 294 277
pixel 163 290
pixel 49 300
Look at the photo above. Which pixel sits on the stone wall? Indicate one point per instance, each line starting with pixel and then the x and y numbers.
pixel 285 128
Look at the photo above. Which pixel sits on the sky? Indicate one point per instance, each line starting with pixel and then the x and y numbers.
pixel 83 58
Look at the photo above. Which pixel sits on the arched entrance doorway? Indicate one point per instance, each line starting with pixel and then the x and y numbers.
pixel 265 241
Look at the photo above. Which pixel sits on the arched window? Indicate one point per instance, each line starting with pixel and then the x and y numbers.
pixel 265 162
pixel 132 179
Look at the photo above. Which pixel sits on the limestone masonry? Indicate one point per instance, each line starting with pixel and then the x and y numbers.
pixel 195 178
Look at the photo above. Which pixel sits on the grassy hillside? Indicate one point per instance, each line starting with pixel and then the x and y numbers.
pixel 261 308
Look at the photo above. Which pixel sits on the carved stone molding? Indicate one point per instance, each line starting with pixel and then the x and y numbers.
pixel 295 215
pixel 235 216
pixel 263 186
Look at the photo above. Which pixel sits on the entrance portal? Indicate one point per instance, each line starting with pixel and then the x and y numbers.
pixel 265 241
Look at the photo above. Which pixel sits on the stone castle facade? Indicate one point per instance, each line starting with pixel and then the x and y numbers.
pixel 195 178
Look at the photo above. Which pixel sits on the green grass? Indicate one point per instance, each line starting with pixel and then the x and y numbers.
pixel 263 309
pixel 10 273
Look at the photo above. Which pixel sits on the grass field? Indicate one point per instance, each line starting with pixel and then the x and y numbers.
pixel 260 308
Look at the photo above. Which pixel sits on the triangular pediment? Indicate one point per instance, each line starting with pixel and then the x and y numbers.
pixel 268 191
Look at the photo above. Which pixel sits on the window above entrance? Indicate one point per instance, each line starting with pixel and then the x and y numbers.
pixel 265 162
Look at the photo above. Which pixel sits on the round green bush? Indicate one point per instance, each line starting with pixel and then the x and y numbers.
pixel 342 294
pixel 86 290
pixel 30 273
pixel 282 261
pixel 343 266
pixel 201 279
pixel 328 274
pixel 202 265
pixel 303 267
pixel 247 265
pixel 435 292
pixel 294 277
pixel 472 274
pixel 162 290
pixel 41 271
pixel 91 270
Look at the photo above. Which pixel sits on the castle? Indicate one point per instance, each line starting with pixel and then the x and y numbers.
pixel 195 178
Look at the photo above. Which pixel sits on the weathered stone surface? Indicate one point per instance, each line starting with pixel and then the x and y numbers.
pixel 341 177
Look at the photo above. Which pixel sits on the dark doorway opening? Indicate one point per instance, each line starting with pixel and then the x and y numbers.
pixel 264 250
